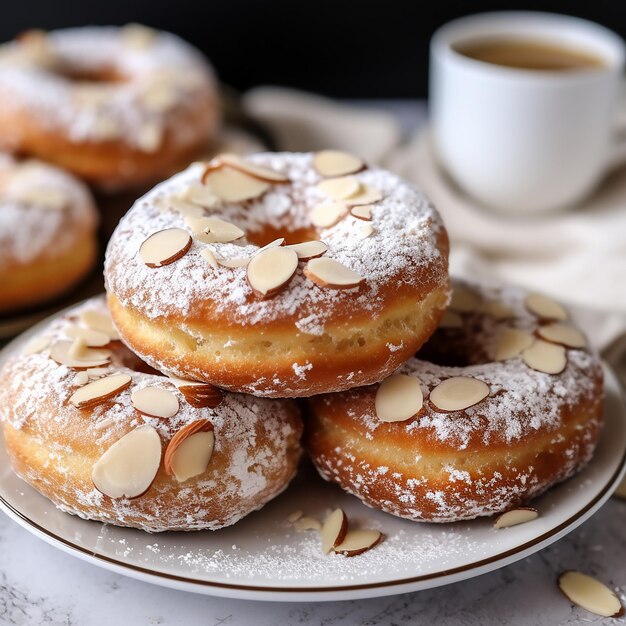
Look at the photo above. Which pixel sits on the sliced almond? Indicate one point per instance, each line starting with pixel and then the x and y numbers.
pixel 209 255
pixel 181 206
pixel 328 214
pixel 545 308
pixel 77 349
pixel 465 301
pixel 308 523
pixel 514 517
pixel 451 319
pixel 545 357
pixel 189 451
pixel 339 188
pixel 271 270
pixel 359 541
pixel 232 185
pixel 159 96
pixel 149 137
pixel 92 338
pixel 38 344
pixel 496 309
pixel 42 198
pixel 458 393
pixel 334 530
pixel 155 402
pixel 59 352
pixel 309 249
pixel 138 36
pixel 336 163
pixel 511 343
pixel 366 195
pixel 256 171
pixel 236 262
pixel 202 196
pixel 97 372
pixel 214 230
pixel 366 230
pixel 563 334
pixel 294 516
pixel 82 378
pixel 102 322
pixel 100 390
pixel 202 395
pixel 398 398
pixel 129 466
pixel 590 594
pixel 277 243
pixel 330 273
pixel 165 247
pixel 362 212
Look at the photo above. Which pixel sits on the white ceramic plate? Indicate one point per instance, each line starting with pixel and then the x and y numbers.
pixel 264 558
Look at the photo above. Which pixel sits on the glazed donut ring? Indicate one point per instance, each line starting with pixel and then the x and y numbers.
pixel 202 313
pixel 64 451
pixel 47 233
pixel 533 429
pixel 118 107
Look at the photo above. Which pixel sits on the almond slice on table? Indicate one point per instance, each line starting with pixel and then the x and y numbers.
pixel 100 390
pixel 336 163
pixel 165 247
pixel 270 270
pixel 330 273
pixel 366 230
pixel 102 322
pixel 308 523
pixel 256 171
pixel 309 249
pixel 358 541
pixel 130 465
pixel 92 338
pixel 53 199
pixel 563 334
pixel 398 398
pixel 514 517
pixel 362 212
pixel 458 393
pixel 451 319
pixel 334 530
pixel 366 195
pixel 60 352
pixel 189 451
pixel 214 230
pixel 340 188
pixel 545 357
pixel 512 342
pixel 155 402
pixel 544 307
pixel 328 214
pixel 590 594
pixel 465 301
pixel 232 185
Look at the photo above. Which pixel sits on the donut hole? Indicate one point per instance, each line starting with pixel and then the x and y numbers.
pixel 271 233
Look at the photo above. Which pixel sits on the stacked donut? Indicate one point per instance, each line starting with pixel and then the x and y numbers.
pixel 239 285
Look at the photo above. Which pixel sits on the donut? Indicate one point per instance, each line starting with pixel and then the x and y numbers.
pixel 105 437
pixel 503 402
pixel 118 107
pixel 274 276
pixel 47 233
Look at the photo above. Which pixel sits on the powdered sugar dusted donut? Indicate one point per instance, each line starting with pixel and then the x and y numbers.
pixel 47 232
pixel 116 106
pixel 503 402
pixel 204 279
pixel 103 436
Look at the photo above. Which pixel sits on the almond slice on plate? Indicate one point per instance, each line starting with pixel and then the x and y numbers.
pixel 214 230
pixel 271 270
pixel 308 523
pixel 514 517
pixel 451 319
pixel 458 393
pixel 590 594
pixel 155 402
pixel 544 307
pixel 330 273
pixel 545 357
pixel 334 530
pixel 398 398
pixel 359 541
pixel 465 301
pixel 339 188
pixel 366 195
pixel 102 322
pixel 189 451
pixel 232 185
pixel 362 212
pixel 366 230
pixel 92 338
pixel 336 163
pixel 309 249
pixel 328 214
pixel 165 247
pixel 128 468
pixel 512 342
pixel 563 334
pixel 201 196
pixel 256 171
pixel 100 390
pixel 60 352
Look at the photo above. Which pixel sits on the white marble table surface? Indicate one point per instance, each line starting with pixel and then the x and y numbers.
pixel 41 585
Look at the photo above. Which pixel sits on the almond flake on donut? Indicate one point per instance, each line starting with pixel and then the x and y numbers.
pixel 256 171
pixel 458 393
pixel 235 262
pixel 451 319
pixel 128 468
pixel 59 352
pixel 309 249
pixel 328 214
pixel 545 357
pixel 294 516
pixel 332 163
pixel 159 96
pixel 202 196
pixel 563 334
pixel 590 594
pixel 512 342
pixel 214 230
pixel 465 301
pixel 165 247
pixel 39 344
pixel 53 199
pixel 96 372
pixel 102 322
pixel 308 523
pixel 149 137
pixel 100 390
pixel 398 398
pixel 340 188
pixel 92 338
pixel 270 270
pixel 366 230
pixel 362 212
pixel 138 36
pixel 358 541
pixel 189 451
pixel 330 273
pixel 209 255
pixel 514 517
pixel 334 530
pixel 183 207
pixel 544 307
pixel 274 244
pixel 81 378
pixel 155 402
pixel 233 185
pixel 366 195
pixel 496 309
pixel 199 395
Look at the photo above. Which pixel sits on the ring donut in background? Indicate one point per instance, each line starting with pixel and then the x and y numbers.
pixel 105 437
pixel 282 275
pixel 48 227
pixel 504 401
pixel 119 107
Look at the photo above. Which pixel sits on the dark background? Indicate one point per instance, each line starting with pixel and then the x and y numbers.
pixel 352 49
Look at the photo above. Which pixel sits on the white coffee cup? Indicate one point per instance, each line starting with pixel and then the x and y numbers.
pixel 522 140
